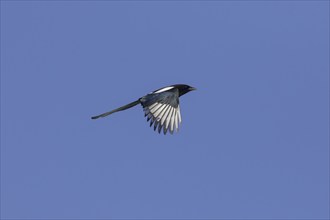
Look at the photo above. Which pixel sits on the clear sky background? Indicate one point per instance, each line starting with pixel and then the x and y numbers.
pixel 254 141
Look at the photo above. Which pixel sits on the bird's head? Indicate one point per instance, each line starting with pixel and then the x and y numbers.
pixel 183 89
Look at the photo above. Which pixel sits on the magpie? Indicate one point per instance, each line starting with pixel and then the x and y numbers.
pixel 161 107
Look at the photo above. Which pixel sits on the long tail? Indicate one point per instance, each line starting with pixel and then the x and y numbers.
pixel 130 105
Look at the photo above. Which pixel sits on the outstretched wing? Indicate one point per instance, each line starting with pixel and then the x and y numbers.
pixel 163 110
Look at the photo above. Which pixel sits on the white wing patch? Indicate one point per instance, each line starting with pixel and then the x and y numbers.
pixel 163 89
pixel 164 117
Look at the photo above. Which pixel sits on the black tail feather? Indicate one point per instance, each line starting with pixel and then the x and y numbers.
pixel 130 105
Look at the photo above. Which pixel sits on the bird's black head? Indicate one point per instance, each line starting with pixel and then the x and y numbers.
pixel 183 89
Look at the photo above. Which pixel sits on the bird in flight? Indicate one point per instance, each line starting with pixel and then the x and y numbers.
pixel 161 107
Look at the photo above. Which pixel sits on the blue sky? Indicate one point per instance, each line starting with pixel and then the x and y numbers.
pixel 254 141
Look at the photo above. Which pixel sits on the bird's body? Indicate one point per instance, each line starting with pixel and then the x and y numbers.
pixel 161 107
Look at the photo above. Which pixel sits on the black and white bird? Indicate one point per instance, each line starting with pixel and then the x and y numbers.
pixel 161 107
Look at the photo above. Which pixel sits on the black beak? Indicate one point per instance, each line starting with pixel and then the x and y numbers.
pixel 192 89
